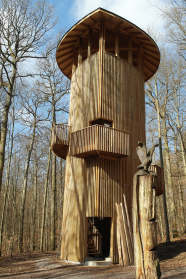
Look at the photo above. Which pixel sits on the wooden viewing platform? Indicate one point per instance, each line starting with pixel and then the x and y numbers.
pixel 60 140
pixel 92 140
pixel 101 140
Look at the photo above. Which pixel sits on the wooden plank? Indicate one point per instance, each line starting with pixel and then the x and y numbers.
pixel 123 238
pixel 140 58
pixel 130 50
pixel 89 53
pixel 128 222
pixel 117 42
pixel 128 242
pixel 101 58
pixel 80 51
pixel 119 243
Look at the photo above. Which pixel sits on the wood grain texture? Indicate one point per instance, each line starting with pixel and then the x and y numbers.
pixel 93 185
pixel 144 227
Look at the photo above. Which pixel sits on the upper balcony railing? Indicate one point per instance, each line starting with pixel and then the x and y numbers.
pixel 101 140
pixel 60 139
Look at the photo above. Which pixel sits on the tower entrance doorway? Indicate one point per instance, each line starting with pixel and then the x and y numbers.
pixel 98 238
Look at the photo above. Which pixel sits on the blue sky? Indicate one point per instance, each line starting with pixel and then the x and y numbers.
pixel 143 13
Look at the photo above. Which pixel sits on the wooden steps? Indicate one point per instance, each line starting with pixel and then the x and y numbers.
pixel 93 240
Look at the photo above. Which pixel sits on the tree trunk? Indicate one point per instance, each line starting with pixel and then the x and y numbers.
pixel 53 202
pixel 7 184
pixel 161 160
pixel 160 223
pixel 22 207
pixel 34 210
pixel 9 97
pixel 183 153
pixel 180 209
pixel 171 204
pixel 44 201
pixel 183 148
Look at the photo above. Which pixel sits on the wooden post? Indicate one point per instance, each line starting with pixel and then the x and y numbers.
pixel 89 43
pixel 117 42
pixel 101 62
pixel 74 61
pixel 80 51
pixel 119 243
pixel 122 234
pixel 144 227
pixel 130 51
pixel 140 59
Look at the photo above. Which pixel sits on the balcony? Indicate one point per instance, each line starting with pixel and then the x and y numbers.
pixel 60 140
pixel 108 142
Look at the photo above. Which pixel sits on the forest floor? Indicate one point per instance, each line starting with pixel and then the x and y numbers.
pixel 46 265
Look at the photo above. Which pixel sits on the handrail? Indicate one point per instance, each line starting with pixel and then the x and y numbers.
pixel 60 134
pixel 101 139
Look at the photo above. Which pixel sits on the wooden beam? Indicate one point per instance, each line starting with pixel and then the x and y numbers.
pixel 89 43
pixel 68 58
pixel 117 42
pixel 151 56
pixel 149 50
pixel 102 37
pixel 150 61
pixel 67 66
pixel 130 51
pixel 72 36
pixel 129 28
pixel 101 62
pixel 74 61
pixel 84 24
pixel 140 58
pixel 80 51
pixel 93 19
pixel 64 48
pixel 66 43
pixel 64 54
pixel 148 68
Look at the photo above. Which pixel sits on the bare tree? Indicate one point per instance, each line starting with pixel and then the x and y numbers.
pixel 159 93
pixel 30 104
pixel 174 14
pixel 7 181
pixel 24 26
pixel 53 87
pixel 45 199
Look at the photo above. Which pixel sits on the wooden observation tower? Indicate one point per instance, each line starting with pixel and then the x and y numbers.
pixel 108 59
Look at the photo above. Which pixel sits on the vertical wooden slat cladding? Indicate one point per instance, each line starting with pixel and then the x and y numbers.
pixel 84 93
pixel 98 139
pixel 93 185
pixel 124 85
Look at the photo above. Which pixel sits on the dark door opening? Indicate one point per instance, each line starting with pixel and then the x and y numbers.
pixel 103 225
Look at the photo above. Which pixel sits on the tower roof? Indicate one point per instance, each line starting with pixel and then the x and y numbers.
pixel 70 41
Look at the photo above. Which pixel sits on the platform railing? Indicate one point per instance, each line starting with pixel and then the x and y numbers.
pixel 60 134
pixel 99 139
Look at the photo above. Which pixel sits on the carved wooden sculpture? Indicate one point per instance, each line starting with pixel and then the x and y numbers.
pixel 144 221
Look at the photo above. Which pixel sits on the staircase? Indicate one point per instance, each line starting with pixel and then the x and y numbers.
pixel 93 240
